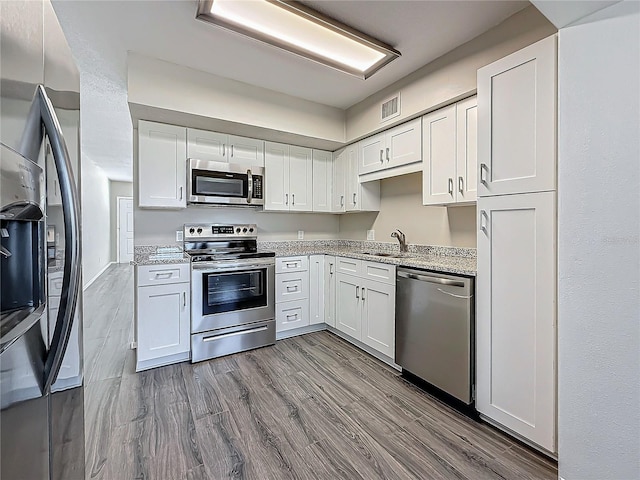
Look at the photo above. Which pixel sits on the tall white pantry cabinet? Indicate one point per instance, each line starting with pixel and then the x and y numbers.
pixel 516 281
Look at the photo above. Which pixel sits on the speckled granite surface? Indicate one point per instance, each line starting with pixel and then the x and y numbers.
pixel 158 255
pixel 461 261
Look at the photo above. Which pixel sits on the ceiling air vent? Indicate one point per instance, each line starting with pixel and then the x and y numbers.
pixel 390 108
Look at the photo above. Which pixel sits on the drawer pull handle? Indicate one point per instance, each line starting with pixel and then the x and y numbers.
pixel 292 288
pixel 451 186
pixel 460 184
pixel 381 160
pixel 184 299
pixel 234 334
pixel 291 265
pixel 357 292
pixel 363 293
pixel 293 315
pixel 161 276
pixel 387 154
pixel 483 168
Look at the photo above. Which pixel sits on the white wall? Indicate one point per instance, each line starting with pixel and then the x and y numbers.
pixel 450 77
pixel 599 250
pixel 401 208
pixel 96 236
pixel 164 85
pixel 116 189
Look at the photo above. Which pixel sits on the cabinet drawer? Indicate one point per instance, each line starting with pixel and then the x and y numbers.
pixel 349 265
pixel 218 343
pixel 292 286
pixel 292 264
pixel 292 315
pixel 162 274
pixel 380 272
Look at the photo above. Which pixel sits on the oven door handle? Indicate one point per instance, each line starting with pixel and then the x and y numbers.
pixel 228 268
pixel 250 186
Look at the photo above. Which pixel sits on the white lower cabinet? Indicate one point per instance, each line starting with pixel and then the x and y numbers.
pixel 163 320
pixel 292 293
pixel 516 314
pixel 365 308
pixel 330 290
pixel 316 289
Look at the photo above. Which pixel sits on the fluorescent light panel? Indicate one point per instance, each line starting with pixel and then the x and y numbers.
pixel 300 30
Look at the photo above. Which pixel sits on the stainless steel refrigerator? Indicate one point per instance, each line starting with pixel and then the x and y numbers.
pixel 41 356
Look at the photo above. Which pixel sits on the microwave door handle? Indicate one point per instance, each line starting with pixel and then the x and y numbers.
pixel 72 262
pixel 250 189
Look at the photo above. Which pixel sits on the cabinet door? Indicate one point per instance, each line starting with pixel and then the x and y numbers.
pixel 379 316
pixel 339 178
pixel 516 314
pixel 276 173
pixel 330 290
pixel 352 181
pixel 164 322
pixel 246 151
pixel 348 305
pixel 439 166
pixel 371 154
pixel 322 180
pixel 300 179
pixel 205 145
pixel 162 165
pixel 467 150
pixel 403 144
pixel 517 122
pixel 316 289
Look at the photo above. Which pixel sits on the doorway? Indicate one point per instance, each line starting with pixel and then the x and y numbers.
pixel 125 229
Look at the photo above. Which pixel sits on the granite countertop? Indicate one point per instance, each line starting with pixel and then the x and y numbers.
pixel 158 255
pixel 459 261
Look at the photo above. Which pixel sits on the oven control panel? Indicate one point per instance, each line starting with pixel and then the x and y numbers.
pixel 192 231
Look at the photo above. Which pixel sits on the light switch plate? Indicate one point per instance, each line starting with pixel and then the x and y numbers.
pixel 300 234
pixel 179 235
pixel 371 235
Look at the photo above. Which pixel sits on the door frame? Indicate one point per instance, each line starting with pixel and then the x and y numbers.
pixel 118 198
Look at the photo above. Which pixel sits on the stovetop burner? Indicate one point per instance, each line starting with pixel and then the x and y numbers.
pixel 214 242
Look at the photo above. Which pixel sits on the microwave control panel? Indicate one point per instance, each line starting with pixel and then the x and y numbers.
pixel 257 186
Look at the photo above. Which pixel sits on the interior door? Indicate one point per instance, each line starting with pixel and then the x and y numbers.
pixel 125 230
pixel 348 305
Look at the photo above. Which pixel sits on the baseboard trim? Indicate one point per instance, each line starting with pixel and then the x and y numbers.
pixel 162 361
pixel 516 436
pixel 301 331
pixel 88 284
pixel 374 353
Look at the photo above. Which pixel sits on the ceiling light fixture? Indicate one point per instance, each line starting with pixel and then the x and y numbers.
pixel 300 30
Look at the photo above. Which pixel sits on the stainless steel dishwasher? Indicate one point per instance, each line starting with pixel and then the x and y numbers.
pixel 435 330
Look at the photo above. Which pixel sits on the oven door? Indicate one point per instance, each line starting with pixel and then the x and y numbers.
pixel 225 294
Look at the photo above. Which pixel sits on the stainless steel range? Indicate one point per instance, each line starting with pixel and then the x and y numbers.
pixel 232 290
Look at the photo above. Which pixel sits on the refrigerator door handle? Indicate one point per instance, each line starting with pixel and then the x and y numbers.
pixel 72 262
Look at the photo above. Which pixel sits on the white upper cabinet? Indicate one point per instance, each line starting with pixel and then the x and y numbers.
pixel 162 165
pixel 359 197
pixel 300 179
pixel 338 184
pixel 467 150
pixel 449 165
pixel 205 145
pixel 517 122
pixel 219 147
pixel 439 165
pixel 276 176
pixel 516 314
pixel 322 180
pixel 288 178
pixel 395 147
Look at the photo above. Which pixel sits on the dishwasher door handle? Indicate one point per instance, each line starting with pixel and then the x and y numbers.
pixel 430 279
pixel 466 297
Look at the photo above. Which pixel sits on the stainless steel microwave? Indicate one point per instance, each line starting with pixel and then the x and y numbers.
pixel 225 183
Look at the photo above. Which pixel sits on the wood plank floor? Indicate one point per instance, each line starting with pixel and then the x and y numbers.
pixel 310 407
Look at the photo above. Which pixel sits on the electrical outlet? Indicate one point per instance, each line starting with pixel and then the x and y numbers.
pixel 179 235
pixel 371 235
pixel 300 234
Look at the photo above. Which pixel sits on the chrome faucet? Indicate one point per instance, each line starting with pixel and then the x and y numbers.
pixel 402 239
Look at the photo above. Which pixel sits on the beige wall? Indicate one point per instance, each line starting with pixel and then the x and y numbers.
pixel 401 207
pixel 450 77
pixel 117 189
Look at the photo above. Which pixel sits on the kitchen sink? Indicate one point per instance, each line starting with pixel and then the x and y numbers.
pixel 383 254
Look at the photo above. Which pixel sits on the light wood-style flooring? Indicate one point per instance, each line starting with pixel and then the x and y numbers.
pixel 310 407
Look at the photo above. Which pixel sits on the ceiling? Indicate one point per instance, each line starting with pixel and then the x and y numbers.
pixel 101 32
